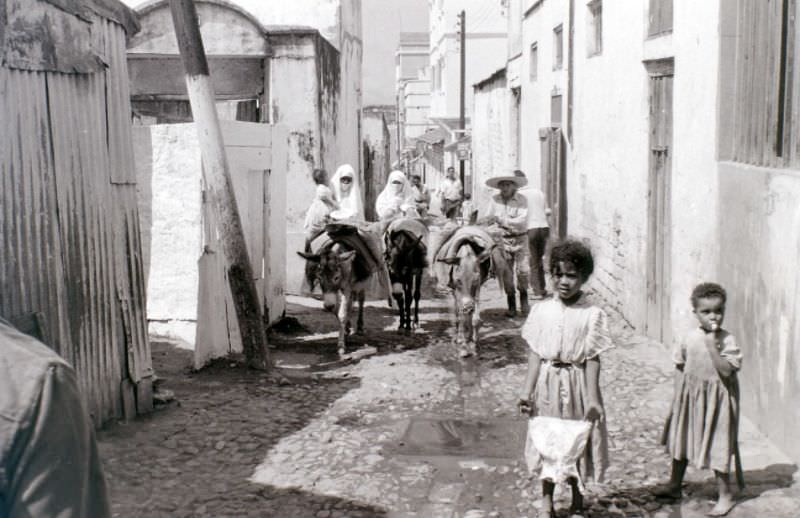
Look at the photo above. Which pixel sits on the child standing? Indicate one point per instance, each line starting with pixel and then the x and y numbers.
pixel 702 428
pixel 566 335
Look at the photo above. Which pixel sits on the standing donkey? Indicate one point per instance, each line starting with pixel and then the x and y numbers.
pixel 469 254
pixel 405 259
pixel 343 280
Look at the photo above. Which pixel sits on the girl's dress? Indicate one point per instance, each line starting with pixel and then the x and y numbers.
pixel 565 337
pixel 703 423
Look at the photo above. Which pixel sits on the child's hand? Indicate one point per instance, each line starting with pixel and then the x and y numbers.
pixel 524 407
pixel 593 413
pixel 711 339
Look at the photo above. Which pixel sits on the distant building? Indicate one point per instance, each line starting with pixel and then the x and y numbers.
pixel 413 90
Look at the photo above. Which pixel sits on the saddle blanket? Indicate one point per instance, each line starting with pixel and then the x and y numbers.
pixel 471 233
pixel 411 226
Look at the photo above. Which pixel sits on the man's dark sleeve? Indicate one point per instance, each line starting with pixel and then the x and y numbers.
pixel 56 469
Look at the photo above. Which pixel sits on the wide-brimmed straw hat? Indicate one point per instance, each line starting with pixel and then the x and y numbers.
pixel 518 177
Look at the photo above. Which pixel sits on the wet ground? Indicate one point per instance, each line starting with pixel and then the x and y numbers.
pixel 411 430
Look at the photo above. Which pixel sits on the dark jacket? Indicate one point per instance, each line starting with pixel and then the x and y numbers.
pixel 49 465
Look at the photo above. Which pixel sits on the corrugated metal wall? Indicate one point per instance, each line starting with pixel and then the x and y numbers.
pixel 71 252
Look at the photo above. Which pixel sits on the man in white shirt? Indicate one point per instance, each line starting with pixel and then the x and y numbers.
pixel 450 192
pixel 508 212
pixel 538 229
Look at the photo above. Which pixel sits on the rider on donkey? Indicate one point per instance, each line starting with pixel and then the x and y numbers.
pixel 507 213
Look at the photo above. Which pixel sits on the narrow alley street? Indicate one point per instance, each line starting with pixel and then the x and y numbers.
pixel 409 431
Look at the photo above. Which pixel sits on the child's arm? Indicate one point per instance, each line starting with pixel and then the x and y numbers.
pixel 532 376
pixel 722 365
pixel 594 410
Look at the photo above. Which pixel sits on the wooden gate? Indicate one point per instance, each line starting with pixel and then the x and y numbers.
pixel 259 186
pixel 659 198
pixel 554 178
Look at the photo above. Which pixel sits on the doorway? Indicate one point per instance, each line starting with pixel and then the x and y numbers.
pixel 659 199
pixel 554 178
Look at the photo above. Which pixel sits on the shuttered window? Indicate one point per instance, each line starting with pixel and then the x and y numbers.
pixel 558 48
pixel 534 62
pixel 660 17
pixel 594 42
pixel 760 115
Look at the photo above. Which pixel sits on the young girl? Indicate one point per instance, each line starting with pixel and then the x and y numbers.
pixel 566 335
pixel 703 424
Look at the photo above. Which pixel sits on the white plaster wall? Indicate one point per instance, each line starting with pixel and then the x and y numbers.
pixel 416 103
pixel 694 167
pixel 490 138
pixel 224 32
pixel 759 245
pixel 170 195
pixel 608 165
pixel 535 101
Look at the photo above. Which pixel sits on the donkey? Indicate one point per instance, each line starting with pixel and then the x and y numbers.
pixel 470 269
pixel 405 259
pixel 343 281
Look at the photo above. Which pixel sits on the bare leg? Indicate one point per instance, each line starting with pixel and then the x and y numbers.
pixel 673 488
pixel 725 502
pixel 548 510
pixel 577 497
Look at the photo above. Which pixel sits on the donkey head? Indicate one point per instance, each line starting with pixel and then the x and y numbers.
pixel 334 271
pixel 466 276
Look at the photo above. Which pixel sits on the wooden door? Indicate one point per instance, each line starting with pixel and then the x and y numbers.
pixel 554 178
pixel 659 199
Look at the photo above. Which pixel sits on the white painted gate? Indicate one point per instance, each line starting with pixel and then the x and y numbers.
pixel 254 153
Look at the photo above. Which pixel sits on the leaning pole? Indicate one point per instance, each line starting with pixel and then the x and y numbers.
pixel 219 185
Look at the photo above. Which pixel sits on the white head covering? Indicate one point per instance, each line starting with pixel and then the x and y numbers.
pixel 391 198
pixel 350 206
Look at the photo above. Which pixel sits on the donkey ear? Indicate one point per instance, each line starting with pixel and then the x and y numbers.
pixel 314 258
pixel 347 256
pixel 451 260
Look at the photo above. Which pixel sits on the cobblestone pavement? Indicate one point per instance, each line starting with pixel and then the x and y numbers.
pixel 410 431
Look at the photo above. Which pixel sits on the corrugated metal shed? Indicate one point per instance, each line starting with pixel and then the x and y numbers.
pixel 70 260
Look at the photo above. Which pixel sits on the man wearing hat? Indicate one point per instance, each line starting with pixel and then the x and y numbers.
pixel 508 211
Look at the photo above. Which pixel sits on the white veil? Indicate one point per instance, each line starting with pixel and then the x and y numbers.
pixel 351 208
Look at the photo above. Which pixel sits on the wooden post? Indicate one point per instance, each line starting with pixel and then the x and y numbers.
pixel 218 180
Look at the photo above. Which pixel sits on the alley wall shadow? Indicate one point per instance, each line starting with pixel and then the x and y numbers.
pixel 196 456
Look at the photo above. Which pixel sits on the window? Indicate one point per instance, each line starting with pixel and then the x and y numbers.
pixel 558 48
pixel 660 17
pixel 759 92
pixel 595 32
pixel 534 62
pixel 556 104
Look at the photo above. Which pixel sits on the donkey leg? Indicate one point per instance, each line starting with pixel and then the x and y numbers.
pixel 417 296
pixel 360 321
pixel 408 300
pixel 344 317
pixel 398 297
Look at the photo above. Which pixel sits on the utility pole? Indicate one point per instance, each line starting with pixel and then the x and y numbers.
pixel 462 94
pixel 220 186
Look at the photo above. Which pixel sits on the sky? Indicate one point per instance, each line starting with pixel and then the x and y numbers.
pixel 382 21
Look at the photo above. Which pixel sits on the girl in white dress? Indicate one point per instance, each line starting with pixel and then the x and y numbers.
pixel 566 335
